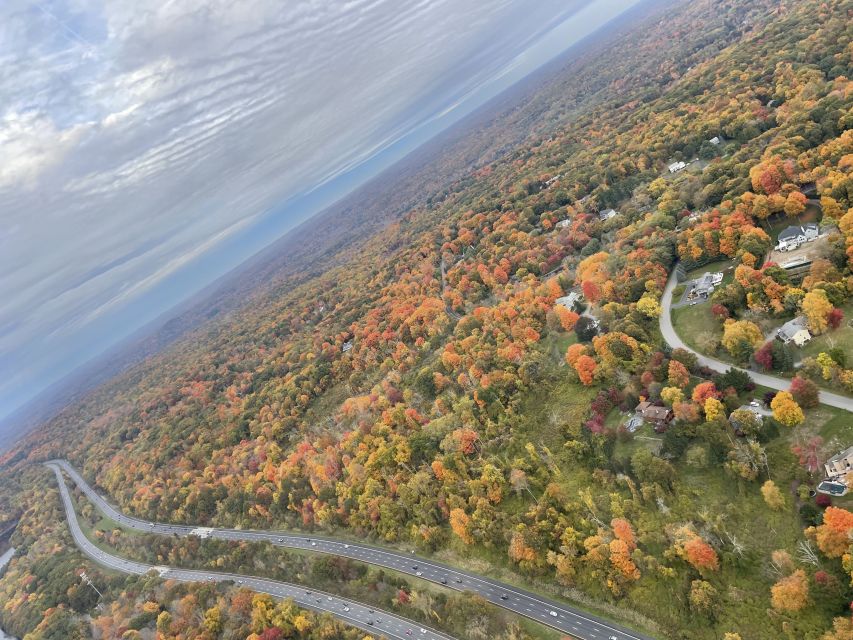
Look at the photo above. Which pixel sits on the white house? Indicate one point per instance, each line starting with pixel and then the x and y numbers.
pixel 607 214
pixel 569 301
pixel 705 285
pixel 811 231
pixel 795 331
pixel 837 469
pixel 346 346
pixel 790 238
pixel 715 140
pixel 562 224
pixel 675 167
pixel 839 464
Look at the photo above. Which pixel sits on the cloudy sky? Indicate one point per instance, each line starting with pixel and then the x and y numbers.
pixel 139 137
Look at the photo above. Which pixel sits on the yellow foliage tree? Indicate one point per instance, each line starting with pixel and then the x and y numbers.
pixel 791 593
pixel 816 307
pixel 786 411
pixel 740 335
pixel 772 496
pixel 714 410
pixel 671 395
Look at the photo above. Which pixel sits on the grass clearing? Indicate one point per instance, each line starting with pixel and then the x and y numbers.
pixel 691 321
pixel 841 338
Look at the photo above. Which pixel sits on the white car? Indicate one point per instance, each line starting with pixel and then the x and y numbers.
pixel 346 608
pixel 553 614
pixel 346 546
pixel 419 573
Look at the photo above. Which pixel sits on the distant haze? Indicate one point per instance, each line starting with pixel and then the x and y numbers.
pixel 148 147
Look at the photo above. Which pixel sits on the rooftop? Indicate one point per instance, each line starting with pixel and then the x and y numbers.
pixel 790 328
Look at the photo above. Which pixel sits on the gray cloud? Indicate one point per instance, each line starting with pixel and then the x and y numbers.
pixel 136 135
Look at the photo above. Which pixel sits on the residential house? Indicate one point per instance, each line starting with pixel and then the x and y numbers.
pixel 839 464
pixel 675 167
pixel 704 286
pixel 562 224
pixel 347 346
pixel 659 417
pixel 790 238
pixel 795 331
pixel 811 231
pixel 607 214
pixel 569 301
pixel 715 140
pixel 837 469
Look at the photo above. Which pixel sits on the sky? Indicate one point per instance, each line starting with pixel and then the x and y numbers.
pixel 147 147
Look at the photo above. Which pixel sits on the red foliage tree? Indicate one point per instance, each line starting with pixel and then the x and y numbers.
pixel 835 318
pixel 720 312
pixel 764 356
pixel 823 501
pixel 805 392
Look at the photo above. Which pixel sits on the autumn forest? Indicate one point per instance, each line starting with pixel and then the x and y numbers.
pixel 423 388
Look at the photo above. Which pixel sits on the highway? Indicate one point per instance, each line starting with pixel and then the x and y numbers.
pixel 375 622
pixel 564 618
pixel 780 384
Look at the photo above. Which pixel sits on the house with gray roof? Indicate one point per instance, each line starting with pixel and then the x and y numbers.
pixel 790 238
pixel 795 331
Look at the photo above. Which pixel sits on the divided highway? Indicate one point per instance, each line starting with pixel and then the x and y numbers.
pixel 780 384
pixel 379 623
pixel 564 618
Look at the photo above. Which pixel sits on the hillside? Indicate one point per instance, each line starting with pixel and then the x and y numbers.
pixel 409 377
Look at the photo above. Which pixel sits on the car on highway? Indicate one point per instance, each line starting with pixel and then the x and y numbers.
pixel 553 614
pixel 419 573
pixel 504 596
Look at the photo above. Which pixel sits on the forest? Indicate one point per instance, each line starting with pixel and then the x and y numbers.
pixel 425 389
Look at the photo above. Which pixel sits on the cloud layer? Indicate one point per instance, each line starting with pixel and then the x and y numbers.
pixel 136 135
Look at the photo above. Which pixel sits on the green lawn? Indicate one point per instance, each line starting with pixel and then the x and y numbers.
pixel 693 320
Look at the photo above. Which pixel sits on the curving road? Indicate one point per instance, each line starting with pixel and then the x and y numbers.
pixel 379 623
pixel 566 619
pixel 353 613
pixel 780 384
